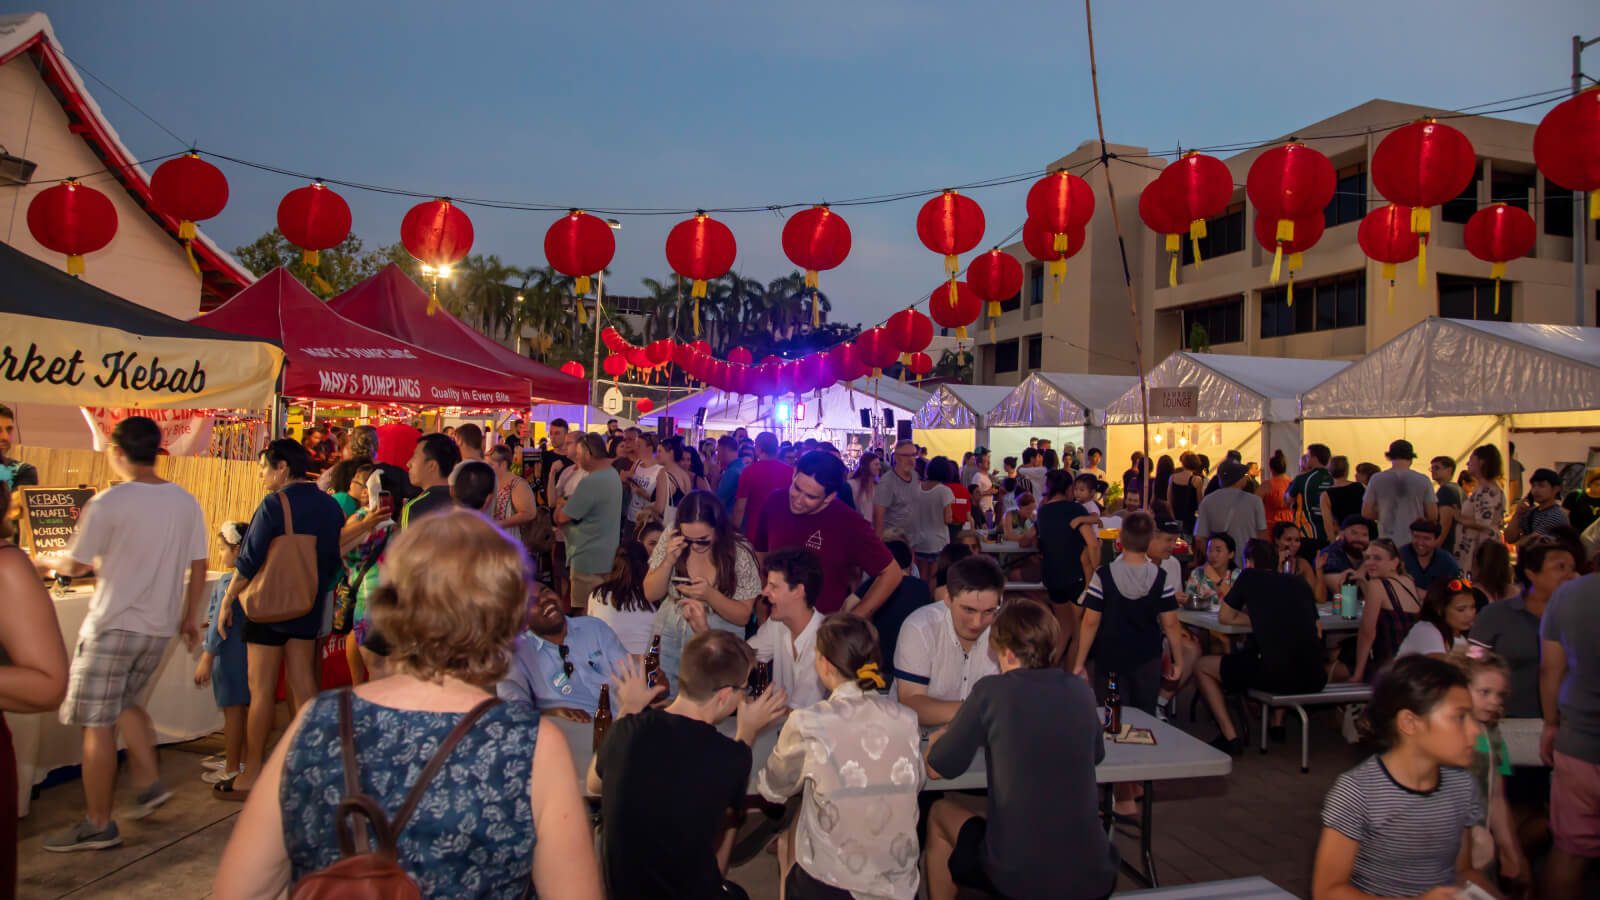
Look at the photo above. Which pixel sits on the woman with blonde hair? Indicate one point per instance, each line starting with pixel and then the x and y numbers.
pixel 504 811
pixel 1485 511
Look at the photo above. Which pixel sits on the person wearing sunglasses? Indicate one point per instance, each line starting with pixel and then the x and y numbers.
pixel 560 663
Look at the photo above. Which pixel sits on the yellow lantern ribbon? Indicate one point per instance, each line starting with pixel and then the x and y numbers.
pixel 311 258
pixel 1058 270
pixel 1197 230
pixel 581 287
pixel 1063 242
pixel 75 264
pixel 816 305
pixel 1388 273
pixel 697 317
pixel 1497 272
pixel 698 289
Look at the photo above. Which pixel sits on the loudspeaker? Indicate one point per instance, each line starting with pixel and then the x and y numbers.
pixel 866 418
pixel 888 418
pixel 700 416
pixel 667 426
pixel 904 429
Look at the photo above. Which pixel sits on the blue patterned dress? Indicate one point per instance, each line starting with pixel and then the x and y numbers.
pixel 472 834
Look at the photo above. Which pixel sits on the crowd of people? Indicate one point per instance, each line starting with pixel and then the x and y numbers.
pixel 683 599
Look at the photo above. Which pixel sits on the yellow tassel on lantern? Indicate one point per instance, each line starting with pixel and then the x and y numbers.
pixel 1197 230
pixel 1421 220
pixel 1290 293
pixel 961 333
pixel 994 309
pixel 1296 262
pixel 311 258
pixel 698 289
pixel 697 317
pixel 581 287
pixel 186 230
pixel 321 283
pixel 955 295
pixel 1277 261
pixel 1422 262
pixel 1497 272
pixel 811 278
pixel 902 374
pixel 583 317
pixel 188 247
pixel 1388 273
pixel 1058 270
pixel 433 297
pixel 1063 242
pixel 816 308
pixel 952 264
pixel 877 373
pixel 75 264
pixel 1594 204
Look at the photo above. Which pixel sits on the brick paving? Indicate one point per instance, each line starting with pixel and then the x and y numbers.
pixel 1263 819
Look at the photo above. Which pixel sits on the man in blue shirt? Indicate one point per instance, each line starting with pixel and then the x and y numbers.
pixel 728 487
pixel 560 663
pixel 1421 558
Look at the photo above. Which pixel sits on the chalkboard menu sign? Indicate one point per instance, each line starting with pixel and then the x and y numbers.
pixel 52 515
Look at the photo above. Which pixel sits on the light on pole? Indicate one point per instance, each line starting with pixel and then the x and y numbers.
pixel 594 362
pixel 519 324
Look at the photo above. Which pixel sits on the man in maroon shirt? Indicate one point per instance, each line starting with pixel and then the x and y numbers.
pixel 810 515
pixel 758 480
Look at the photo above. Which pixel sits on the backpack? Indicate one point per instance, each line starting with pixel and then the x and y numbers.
pixel 286 585
pixel 362 873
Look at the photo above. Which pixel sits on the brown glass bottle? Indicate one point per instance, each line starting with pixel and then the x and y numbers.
pixel 602 717
pixel 652 663
pixel 1113 706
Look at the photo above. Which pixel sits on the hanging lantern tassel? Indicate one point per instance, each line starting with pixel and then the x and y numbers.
pixel 75 264
pixel 1295 261
pixel 1497 272
pixel 1594 204
pixel 321 283
pixel 1421 224
pixel 583 317
pixel 816 302
pixel 1058 270
pixel 1063 242
pixel 433 295
pixel 1174 247
pixel 698 289
pixel 1285 235
pixel 311 258
pixel 1290 292
pixel 877 373
pixel 697 317
pixel 582 285
pixel 952 264
pixel 1388 272
pixel 1197 230
pixel 1422 261
pixel 811 278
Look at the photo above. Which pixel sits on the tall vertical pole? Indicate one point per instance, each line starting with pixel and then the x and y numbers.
pixel 1580 202
pixel 594 362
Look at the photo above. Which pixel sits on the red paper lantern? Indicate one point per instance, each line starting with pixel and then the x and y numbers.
pixel 439 235
pixel 190 190
pixel 643 404
pixel 741 356
pixel 909 331
pixel 1200 186
pixel 659 352
pixel 579 245
pixel 789 378
pixel 638 358
pixel 313 218
pixel 956 308
pixel 875 350
pixel 702 347
pixel 1385 236
pixel 816 239
pixel 815 373
pixel 1423 165
pixel 573 368
pixel 613 339
pixel 996 276
pixel 1307 231
pixel 1499 234
pixel 1160 213
pixel 615 365
pixel 921 364
pixel 1061 203
pixel 700 249
pixel 950 224
pixel 845 365
pixel 1288 184
pixel 73 219
pixel 1040 245
pixel 1566 145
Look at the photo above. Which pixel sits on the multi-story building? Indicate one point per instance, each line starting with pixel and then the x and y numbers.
pixel 1341 308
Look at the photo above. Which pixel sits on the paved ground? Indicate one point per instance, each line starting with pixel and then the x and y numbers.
pixel 1260 820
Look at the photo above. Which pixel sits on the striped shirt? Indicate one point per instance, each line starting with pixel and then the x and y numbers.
pixel 1409 839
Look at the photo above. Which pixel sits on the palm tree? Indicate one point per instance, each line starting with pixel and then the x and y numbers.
pixel 481 290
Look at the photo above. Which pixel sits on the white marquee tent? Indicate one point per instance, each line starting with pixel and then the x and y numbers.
pixel 1246 403
pixel 1064 407
pixel 956 418
pixel 838 411
pixel 1449 385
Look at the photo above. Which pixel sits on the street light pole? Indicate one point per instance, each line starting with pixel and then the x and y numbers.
pixel 594 361
pixel 1580 199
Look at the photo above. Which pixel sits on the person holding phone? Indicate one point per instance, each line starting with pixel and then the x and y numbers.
pixel 702 560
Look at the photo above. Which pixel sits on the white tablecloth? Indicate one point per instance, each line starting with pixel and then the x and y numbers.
pixel 181 711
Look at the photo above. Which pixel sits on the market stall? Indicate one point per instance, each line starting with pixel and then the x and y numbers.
pixel 832 414
pixel 1211 403
pixel 1449 385
pixel 1061 407
pixel 392 303
pixel 957 418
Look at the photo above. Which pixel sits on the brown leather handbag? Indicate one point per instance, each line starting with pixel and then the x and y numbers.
pixel 285 587
pixel 361 872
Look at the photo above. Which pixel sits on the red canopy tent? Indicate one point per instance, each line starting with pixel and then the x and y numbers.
pixel 327 356
pixel 394 304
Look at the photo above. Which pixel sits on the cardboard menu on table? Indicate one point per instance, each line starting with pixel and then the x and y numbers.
pixel 52 515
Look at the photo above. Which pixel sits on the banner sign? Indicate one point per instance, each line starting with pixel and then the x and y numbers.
pixel 1174 402
pixel 77 364
pixel 52 515
pixel 183 432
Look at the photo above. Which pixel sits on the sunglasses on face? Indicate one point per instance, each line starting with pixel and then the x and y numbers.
pixel 701 542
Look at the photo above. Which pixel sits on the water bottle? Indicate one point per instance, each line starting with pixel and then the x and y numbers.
pixel 1348 604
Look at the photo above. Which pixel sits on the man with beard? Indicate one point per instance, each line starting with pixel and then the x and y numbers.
pixel 559 663
pixel 1343 557
pixel 14 472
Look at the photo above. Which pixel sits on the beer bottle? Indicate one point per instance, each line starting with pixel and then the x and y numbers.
pixel 1113 706
pixel 602 717
pixel 652 663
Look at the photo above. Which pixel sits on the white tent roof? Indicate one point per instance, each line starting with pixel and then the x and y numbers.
pixel 1061 399
pixel 839 407
pixel 1232 388
pixel 1453 367
pixel 960 406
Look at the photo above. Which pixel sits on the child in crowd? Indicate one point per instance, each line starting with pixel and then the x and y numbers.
pixel 223 664
pixel 1399 824
pixel 1489 682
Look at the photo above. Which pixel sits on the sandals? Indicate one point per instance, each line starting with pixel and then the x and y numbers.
pixel 224 790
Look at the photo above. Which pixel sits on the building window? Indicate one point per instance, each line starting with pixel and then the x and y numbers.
pixel 1461 297
pixel 1224 235
pixel 1221 319
pixel 1012 304
pixel 1339 301
pixel 1557 210
pixel 1465 204
pixel 1005 356
pixel 1035 283
pixel 1035 352
pixel 1511 187
pixel 1349 201
pixel 628 306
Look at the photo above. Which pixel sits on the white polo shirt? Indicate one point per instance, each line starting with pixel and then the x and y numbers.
pixel 794 662
pixel 929 653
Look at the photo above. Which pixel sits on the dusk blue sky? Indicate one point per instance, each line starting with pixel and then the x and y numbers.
pixel 682 105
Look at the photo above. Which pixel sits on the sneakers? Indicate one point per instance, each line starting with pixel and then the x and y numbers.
pixel 212 776
pixel 83 836
pixel 1164 709
pixel 217 761
pixel 1234 747
pixel 148 800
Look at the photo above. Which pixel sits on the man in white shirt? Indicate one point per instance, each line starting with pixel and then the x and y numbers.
pixel 140 537
pixel 943 648
pixel 788 639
